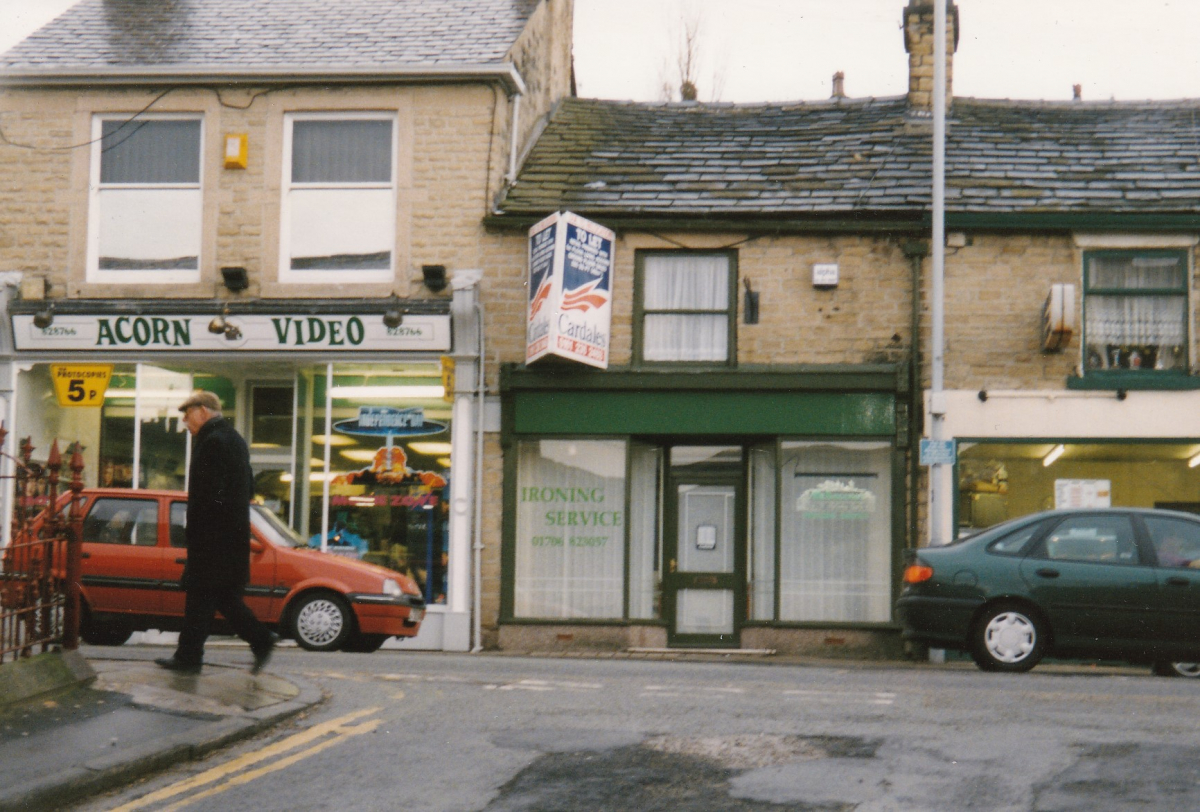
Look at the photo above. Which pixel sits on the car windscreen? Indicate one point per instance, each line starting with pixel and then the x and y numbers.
pixel 273 529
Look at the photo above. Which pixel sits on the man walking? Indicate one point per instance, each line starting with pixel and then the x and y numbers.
pixel 220 487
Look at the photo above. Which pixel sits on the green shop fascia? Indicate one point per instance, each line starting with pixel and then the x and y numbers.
pixel 705 503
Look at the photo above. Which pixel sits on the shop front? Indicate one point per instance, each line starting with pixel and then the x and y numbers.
pixel 715 510
pixel 353 424
pixel 1021 452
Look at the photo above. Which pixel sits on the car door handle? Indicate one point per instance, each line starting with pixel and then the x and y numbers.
pixel 1047 572
pixel 1176 580
pixel 86 555
pixel 180 560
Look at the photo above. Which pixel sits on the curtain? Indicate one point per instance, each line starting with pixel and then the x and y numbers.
pixel 835 532
pixel 685 283
pixel 570 552
pixel 150 151
pixel 344 151
pixel 762 533
pixel 645 463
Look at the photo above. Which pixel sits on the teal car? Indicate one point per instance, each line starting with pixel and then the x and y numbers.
pixel 1114 583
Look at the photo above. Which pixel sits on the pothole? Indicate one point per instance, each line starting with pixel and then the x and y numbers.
pixel 751 751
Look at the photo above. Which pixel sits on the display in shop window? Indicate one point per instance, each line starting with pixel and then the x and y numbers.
pixel 1135 356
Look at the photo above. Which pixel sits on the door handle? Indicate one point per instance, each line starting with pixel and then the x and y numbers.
pixel 1047 572
pixel 1178 580
pixel 180 560
pixel 85 555
pixel 671 566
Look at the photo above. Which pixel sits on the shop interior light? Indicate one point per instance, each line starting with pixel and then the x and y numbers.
pixel 1194 461
pixel 387 392
pixel 335 439
pixel 1054 454
pixel 430 448
pixel 359 454
pixel 149 394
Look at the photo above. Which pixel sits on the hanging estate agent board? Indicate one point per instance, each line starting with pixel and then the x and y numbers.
pixel 570 290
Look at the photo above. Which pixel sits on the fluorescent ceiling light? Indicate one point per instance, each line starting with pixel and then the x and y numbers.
pixel 430 448
pixel 1054 454
pixel 387 392
pixel 335 439
pixel 149 394
pixel 1194 461
pixel 358 454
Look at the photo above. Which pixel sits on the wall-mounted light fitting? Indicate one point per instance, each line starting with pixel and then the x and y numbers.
pixel 434 277
pixel 749 304
pixel 235 278
pixel 221 324
pixel 393 317
pixel 44 317
pixel 1194 461
pixel 1054 454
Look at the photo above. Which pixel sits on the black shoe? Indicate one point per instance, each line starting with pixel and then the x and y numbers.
pixel 262 655
pixel 172 664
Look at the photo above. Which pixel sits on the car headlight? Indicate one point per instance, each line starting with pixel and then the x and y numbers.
pixel 390 587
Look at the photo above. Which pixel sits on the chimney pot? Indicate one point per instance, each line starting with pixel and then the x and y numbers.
pixel 839 85
pixel 1078 89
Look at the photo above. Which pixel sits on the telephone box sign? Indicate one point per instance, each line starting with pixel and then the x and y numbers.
pixel 570 290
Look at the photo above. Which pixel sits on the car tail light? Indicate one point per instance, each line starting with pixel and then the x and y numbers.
pixel 917 573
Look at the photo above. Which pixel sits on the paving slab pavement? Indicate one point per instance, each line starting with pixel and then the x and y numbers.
pixel 133 719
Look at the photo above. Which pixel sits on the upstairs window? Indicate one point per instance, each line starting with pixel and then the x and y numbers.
pixel 146 203
pixel 1135 307
pixel 686 307
pixel 339 207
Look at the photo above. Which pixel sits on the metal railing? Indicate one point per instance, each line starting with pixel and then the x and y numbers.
pixel 40 567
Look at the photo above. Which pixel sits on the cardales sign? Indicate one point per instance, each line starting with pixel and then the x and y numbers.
pixel 255 333
pixel 570 290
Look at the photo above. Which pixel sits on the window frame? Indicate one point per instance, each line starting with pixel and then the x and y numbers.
pixel 640 312
pixel 93 273
pixel 286 274
pixel 1183 290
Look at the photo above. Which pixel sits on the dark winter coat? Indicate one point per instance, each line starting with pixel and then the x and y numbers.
pixel 220 487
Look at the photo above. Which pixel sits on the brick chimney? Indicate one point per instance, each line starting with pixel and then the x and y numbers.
pixel 919 42
pixel 839 85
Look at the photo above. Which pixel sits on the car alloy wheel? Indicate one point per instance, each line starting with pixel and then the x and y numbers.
pixel 1008 639
pixel 321 622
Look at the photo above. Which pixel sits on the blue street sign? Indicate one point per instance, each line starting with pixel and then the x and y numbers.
pixel 938 452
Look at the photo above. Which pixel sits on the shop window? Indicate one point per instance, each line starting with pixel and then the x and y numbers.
pixel 835 532
pixel 762 533
pixel 339 200
pixel 387 488
pixel 146 202
pixel 645 531
pixel 1135 308
pixel 686 307
pixel 570 540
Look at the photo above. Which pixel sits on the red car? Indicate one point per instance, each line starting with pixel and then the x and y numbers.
pixel 133 557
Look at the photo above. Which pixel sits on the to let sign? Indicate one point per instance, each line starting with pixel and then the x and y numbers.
pixel 80 384
pixel 569 313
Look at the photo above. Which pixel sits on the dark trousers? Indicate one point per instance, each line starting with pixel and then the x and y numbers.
pixel 201 604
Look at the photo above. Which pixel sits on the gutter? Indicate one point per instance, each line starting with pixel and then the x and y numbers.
pixel 202 75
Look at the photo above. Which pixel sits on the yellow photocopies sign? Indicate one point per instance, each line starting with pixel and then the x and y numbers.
pixel 80 384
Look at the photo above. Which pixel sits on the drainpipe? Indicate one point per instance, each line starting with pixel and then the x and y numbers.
pixel 916 251
pixel 512 141
pixel 467 311
pixel 10 283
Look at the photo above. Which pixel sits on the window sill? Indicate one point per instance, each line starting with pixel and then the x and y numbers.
pixel 1147 381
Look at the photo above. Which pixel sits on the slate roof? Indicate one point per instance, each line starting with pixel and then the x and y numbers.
pixel 270 35
pixel 859 157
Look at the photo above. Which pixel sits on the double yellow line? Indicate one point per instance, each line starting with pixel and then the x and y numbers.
pixel 230 775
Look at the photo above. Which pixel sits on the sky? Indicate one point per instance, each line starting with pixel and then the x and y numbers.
pixel 788 50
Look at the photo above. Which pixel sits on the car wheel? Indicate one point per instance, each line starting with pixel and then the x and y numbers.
pixel 321 622
pixel 1165 668
pixel 111 633
pixel 1008 638
pixel 364 643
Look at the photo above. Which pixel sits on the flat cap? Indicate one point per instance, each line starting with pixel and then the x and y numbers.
pixel 201 398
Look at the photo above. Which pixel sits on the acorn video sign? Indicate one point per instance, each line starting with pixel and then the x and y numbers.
pixel 570 290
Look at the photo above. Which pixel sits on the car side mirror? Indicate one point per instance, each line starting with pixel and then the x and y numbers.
pixel 257 546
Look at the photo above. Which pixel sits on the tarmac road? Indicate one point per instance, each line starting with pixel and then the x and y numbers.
pixel 439 732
